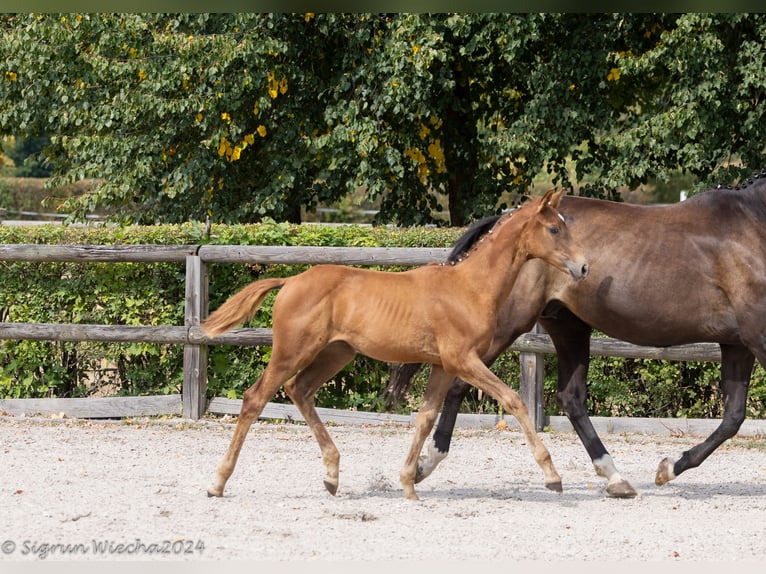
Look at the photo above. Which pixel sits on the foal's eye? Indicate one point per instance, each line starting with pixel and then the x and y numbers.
pixel 554 230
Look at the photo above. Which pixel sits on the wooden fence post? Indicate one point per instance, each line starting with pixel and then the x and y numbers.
pixel 531 382
pixel 193 394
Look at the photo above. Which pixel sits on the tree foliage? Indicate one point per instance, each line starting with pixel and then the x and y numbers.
pixel 242 116
pixel 27 156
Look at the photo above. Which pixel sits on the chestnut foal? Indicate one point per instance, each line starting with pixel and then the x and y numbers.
pixel 445 315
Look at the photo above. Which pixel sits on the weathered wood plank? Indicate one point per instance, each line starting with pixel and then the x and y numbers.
pixel 95 407
pixel 240 337
pixel 295 255
pixel 86 332
pixel 195 356
pixel 290 412
pixel 531 381
pixel 528 342
pixel 658 426
pixel 608 347
pixel 604 425
pixel 96 253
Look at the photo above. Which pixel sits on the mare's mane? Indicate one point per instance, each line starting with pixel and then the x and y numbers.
pixel 470 238
pixel 747 199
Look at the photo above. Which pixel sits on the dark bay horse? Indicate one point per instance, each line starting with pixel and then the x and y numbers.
pixel 444 315
pixel 665 275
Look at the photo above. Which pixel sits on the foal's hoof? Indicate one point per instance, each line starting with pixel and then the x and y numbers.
pixel 332 487
pixel 620 489
pixel 213 492
pixel 664 472
pixel 554 486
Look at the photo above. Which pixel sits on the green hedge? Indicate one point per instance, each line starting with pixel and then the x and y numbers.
pixel 153 294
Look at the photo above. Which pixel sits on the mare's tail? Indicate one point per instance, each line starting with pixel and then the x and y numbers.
pixel 399 382
pixel 240 307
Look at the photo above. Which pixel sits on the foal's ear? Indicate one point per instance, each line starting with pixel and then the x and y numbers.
pixel 555 198
pixel 550 198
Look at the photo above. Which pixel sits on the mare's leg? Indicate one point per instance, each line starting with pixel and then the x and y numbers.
pixel 301 390
pixel 571 337
pixel 736 368
pixel 473 370
pixel 439 447
pixel 438 383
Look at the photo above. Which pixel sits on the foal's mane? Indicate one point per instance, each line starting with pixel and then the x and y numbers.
pixel 470 239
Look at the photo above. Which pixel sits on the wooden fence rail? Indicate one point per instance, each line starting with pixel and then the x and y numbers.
pixel 193 399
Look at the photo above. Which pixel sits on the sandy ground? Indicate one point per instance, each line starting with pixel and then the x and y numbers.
pixel 136 490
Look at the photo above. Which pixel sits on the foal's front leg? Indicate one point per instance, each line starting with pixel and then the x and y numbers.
pixel 475 372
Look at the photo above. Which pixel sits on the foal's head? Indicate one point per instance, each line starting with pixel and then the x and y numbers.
pixel 546 236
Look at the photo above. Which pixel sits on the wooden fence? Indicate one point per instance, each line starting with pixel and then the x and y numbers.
pixel 192 403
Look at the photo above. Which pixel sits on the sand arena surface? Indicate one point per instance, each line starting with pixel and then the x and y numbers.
pixel 136 490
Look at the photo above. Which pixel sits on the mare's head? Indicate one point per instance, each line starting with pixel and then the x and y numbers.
pixel 545 236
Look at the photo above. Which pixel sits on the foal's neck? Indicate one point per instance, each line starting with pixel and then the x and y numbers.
pixel 493 265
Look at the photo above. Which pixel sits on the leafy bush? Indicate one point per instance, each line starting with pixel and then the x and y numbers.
pixel 153 294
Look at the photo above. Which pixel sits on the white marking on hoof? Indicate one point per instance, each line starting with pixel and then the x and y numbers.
pixel 616 487
pixel 665 471
pixel 428 462
pixel 605 467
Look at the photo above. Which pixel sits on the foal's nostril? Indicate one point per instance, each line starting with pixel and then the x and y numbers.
pixel 584 270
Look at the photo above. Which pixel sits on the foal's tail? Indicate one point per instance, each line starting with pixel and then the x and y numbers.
pixel 240 307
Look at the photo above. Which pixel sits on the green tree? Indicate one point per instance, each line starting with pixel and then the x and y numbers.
pixel 244 116
pixel 28 156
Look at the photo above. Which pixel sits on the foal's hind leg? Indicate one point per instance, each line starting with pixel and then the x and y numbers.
pixel 301 390
pixel 255 398
pixel 281 367
pixel 438 384
pixel 475 372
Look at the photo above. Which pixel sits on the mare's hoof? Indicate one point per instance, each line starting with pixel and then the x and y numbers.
pixel 554 486
pixel 332 487
pixel 664 472
pixel 620 489
pixel 211 492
